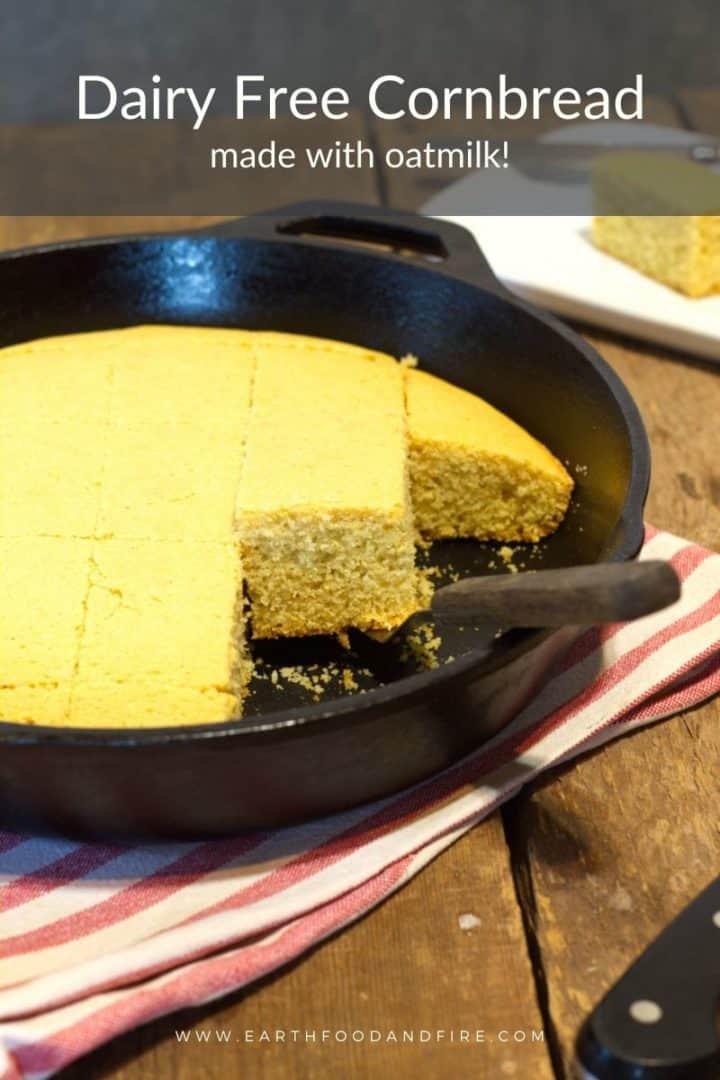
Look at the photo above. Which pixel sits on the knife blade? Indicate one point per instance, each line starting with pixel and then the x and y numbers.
pixel 659 1022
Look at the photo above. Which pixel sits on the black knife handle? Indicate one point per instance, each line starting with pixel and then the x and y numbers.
pixel 660 1021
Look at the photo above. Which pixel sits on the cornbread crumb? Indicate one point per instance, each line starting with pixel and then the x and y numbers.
pixel 348 680
pixel 409 360
pixel 422 645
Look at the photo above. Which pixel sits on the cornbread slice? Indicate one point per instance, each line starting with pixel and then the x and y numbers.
pixel 476 473
pixel 65 379
pixel 43 585
pixel 51 476
pixel 682 252
pixel 164 483
pixel 162 640
pixel 323 512
pixel 182 376
pixel 660 214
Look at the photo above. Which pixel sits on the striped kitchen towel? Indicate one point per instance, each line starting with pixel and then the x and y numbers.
pixel 97 938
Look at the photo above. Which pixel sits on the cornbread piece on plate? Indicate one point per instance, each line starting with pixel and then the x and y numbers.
pixel 162 640
pixel 323 510
pixel 476 473
pixel 42 598
pixel 661 215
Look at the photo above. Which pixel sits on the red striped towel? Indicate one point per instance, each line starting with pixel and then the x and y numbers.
pixel 98 938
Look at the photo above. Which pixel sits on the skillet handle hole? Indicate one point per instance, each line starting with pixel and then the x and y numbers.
pixel 384 236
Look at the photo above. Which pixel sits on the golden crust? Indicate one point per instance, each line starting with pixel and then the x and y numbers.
pixel 476 473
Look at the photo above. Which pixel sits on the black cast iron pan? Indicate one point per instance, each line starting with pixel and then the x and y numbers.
pixel 398 283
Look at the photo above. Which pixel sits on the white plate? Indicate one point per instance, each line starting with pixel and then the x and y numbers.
pixel 551 261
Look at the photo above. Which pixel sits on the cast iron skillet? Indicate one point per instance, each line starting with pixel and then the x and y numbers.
pixel 401 284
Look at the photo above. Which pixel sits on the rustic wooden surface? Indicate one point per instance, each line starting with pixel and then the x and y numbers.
pixel 569 882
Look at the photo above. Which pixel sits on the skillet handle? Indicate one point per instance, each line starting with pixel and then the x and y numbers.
pixel 429 242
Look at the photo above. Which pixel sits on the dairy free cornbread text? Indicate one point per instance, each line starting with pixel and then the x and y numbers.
pixel 148 473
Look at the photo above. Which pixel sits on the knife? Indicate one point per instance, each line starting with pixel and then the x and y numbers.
pixel 660 1021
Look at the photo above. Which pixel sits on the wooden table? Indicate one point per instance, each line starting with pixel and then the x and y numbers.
pixel 568 883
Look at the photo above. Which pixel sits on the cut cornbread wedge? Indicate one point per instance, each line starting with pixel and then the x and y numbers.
pixel 162 640
pixel 323 513
pixel 42 597
pixel 682 252
pixel 660 214
pixel 476 473
pixel 173 452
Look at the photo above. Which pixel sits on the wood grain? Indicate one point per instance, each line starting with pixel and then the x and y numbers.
pixel 408 966
pixel 619 843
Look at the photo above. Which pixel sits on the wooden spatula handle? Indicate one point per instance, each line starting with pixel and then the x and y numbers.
pixel 578 595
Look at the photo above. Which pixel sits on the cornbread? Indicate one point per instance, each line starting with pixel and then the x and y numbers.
pixel 660 214
pixel 153 476
pixel 122 585
pixel 44 581
pixel 476 473
pixel 323 510
pixel 51 478
pixel 162 635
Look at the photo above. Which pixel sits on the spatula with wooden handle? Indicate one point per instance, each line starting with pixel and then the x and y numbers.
pixel 572 596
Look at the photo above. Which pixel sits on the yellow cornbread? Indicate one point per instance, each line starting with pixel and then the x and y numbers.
pixel 43 586
pixel 661 214
pixel 683 252
pixel 166 484
pixel 323 512
pixel 476 473
pixel 51 476
pixel 184 377
pixel 148 473
pixel 162 636
pixel 120 457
